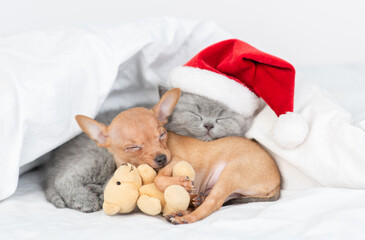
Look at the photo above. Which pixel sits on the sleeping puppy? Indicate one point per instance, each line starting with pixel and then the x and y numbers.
pixel 230 168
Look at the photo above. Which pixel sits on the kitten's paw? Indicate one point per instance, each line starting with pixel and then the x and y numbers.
pixel 85 202
pixel 59 203
pixel 55 199
pixel 95 188
pixel 101 199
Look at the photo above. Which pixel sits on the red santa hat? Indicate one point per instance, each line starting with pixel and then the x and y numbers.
pixel 237 74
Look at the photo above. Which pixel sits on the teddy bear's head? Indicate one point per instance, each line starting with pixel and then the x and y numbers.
pixel 121 192
pixel 127 173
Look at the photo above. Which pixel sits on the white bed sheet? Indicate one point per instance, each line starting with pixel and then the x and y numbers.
pixel 317 213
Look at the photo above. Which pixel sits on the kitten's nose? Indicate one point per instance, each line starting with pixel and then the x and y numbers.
pixel 209 126
pixel 161 160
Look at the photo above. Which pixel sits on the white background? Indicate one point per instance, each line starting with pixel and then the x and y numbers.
pixel 302 32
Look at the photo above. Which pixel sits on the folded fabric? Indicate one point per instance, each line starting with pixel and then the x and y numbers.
pixel 333 154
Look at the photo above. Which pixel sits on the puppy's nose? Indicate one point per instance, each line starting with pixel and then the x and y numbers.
pixel 161 160
pixel 209 126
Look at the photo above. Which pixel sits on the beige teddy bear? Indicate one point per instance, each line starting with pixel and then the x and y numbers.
pixel 130 187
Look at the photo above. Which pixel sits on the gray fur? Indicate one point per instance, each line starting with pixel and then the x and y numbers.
pixel 193 112
pixel 76 175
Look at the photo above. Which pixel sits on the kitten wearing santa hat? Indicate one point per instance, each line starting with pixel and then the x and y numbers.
pixel 237 75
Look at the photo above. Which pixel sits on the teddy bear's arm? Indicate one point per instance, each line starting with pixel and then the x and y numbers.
pixel 164 178
pixel 167 170
pixel 110 208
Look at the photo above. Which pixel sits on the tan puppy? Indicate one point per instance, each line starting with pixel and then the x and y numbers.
pixel 227 168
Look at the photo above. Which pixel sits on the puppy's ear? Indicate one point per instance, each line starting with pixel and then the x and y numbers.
pixel 165 106
pixel 95 130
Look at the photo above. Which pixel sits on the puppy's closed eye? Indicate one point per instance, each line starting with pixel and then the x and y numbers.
pixel 163 135
pixel 132 148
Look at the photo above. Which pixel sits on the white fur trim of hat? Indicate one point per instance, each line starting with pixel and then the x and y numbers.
pixel 215 86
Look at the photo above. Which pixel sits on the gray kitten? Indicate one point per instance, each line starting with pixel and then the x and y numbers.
pixel 79 169
pixel 77 172
pixel 206 119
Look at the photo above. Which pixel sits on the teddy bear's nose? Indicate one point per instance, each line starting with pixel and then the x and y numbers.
pixel 161 160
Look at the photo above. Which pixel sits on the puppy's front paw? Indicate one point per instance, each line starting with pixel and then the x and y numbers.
pixel 197 200
pixel 179 218
pixel 187 184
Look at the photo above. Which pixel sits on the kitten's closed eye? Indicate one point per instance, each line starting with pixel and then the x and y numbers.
pixel 196 115
pixel 219 120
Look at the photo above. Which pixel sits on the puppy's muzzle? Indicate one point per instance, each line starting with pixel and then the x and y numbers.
pixel 161 160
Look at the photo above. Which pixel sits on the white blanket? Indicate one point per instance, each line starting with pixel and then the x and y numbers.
pixel 49 76
pixel 333 154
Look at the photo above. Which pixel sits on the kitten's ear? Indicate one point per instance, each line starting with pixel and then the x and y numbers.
pixel 162 90
pixel 95 130
pixel 166 105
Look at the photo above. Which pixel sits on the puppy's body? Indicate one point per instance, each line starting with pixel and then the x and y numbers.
pixel 212 158
pixel 227 168
pixel 230 167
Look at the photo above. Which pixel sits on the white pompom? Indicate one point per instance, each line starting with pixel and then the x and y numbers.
pixel 290 130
